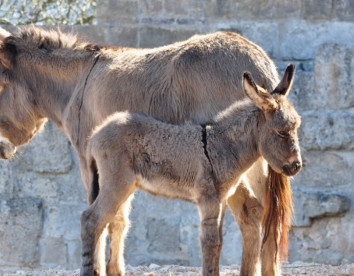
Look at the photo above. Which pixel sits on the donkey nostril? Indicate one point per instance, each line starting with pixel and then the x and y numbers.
pixel 296 166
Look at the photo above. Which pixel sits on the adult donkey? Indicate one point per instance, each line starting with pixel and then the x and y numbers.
pixel 48 74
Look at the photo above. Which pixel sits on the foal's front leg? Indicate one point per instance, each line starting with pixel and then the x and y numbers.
pixel 211 212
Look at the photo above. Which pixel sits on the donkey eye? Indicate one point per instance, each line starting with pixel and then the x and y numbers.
pixel 283 134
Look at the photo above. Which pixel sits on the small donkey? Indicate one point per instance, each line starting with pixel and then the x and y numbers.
pixel 201 164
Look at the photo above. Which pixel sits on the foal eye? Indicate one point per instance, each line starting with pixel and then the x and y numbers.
pixel 283 134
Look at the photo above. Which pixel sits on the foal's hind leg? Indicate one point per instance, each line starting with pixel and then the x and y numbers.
pixel 114 192
pixel 118 230
pixel 211 214
pixel 248 212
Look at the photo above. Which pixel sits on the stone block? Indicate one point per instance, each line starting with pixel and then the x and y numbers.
pixel 121 36
pixel 310 205
pixel 53 253
pixel 317 9
pixel 344 10
pixel 20 230
pixel 6 179
pixel 184 9
pixel 151 8
pixel 328 240
pixel 242 9
pixel 334 76
pixel 48 152
pixel 327 169
pixel 324 130
pixel 302 92
pixel 283 9
pixel 63 221
pixel 153 37
pixel 115 12
pixel 300 39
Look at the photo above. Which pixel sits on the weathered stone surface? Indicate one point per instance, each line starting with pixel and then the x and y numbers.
pixel 112 11
pixel 121 36
pixel 153 37
pixel 6 179
pixel 310 205
pixel 300 39
pixel 286 9
pixel 48 152
pixel 327 130
pixel 327 169
pixel 317 9
pixel 20 229
pixel 328 240
pixel 334 76
pixel 53 253
pixel 242 9
pixel 344 10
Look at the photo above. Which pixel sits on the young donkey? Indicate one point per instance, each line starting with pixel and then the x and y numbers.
pixel 201 164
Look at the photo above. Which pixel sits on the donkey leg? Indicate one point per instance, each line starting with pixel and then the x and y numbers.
pixel 118 230
pixel 114 193
pixel 89 176
pixel 271 264
pixel 211 213
pixel 247 212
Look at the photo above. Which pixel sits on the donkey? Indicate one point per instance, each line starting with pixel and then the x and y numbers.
pixel 201 164
pixel 77 85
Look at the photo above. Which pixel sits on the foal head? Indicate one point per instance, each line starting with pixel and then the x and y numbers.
pixel 278 139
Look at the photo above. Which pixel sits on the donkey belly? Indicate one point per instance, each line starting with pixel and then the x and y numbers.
pixel 166 187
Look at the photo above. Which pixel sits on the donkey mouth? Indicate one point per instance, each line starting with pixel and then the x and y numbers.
pixel 6 150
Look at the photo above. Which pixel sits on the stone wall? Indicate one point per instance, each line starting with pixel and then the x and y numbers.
pixel 41 195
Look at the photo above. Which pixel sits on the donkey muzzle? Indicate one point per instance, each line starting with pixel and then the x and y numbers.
pixel 7 150
pixel 292 168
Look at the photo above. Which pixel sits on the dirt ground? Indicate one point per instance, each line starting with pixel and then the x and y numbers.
pixel 155 270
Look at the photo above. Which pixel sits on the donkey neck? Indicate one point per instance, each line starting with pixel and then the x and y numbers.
pixel 53 86
pixel 233 138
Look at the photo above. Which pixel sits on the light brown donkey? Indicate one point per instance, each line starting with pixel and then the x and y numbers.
pixel 201 164
pixel 52 75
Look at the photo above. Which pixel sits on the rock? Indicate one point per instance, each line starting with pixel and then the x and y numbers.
pixel 20 229
pixel 334 77
pixel 328 169
pixel 327 130
pixel 310 205
pixel 48 152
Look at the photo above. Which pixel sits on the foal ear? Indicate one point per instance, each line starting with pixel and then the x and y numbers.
pixel 3 34
pixel 259 96
pixel 285 84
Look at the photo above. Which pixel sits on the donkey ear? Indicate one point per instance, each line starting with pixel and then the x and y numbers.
pixel 285 84
pixel 257 94
pixel 3 34
pixel 7 50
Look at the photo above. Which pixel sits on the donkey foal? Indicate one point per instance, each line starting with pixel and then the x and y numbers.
pixel 201 164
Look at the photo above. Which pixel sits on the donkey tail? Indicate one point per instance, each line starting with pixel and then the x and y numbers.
pixel 277 211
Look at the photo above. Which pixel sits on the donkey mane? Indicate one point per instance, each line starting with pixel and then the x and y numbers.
pixel 48 39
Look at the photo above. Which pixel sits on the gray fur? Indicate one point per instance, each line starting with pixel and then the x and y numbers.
pixel 133 151
pixel 51 75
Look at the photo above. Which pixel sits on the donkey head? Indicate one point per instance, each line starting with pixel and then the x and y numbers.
pixel 18 121
pixel 278 140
